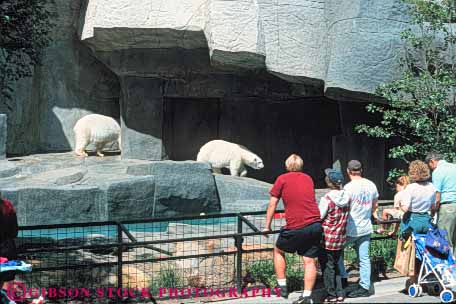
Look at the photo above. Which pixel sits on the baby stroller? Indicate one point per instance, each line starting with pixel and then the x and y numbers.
pixel 440 272
pixel 11 266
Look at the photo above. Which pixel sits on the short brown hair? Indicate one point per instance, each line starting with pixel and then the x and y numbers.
pixel 294 163
pixel 419 171
pixel 403 180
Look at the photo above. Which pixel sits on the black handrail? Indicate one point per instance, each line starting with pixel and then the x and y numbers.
pixel 248 223
pixel 134 240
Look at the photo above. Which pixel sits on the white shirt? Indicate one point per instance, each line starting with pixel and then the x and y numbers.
pixel 363 193
pixel 399 197
pixel 419 197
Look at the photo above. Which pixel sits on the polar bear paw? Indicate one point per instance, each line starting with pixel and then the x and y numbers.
pixel 243 173
pixel 81 153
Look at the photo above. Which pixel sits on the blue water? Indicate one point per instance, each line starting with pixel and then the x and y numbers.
pixel 111 230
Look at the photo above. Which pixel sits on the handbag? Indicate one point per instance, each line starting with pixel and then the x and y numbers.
pixel 436 241
pixel 405 257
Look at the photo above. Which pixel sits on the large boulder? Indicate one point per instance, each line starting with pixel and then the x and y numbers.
pixel 232 189
pixel 181 187
pixel 57 204
pixel 131 198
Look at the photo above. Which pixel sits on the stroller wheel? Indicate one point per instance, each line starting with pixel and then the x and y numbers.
pixel 446 296
pixel 435 289
pixel 414 290
pixel 420 290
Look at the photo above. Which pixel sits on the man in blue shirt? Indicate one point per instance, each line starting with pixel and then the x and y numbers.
pixel 444 180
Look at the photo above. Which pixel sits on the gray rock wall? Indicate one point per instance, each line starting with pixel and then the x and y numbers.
pixel 3 134
pixel 142 118
pixel 78 85
pixel 363 39
pixel 70 83
pixel 349 145
pixel 352 45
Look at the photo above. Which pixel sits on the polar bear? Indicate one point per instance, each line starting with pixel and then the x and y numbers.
pixel 97 129
pixel 223 154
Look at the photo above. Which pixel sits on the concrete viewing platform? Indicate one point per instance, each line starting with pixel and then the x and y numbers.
pixel 386 291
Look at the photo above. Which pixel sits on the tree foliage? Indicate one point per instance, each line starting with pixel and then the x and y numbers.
pixel 420 108
pixel 24 32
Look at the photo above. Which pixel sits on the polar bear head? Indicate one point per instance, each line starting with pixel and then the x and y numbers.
pixel 252 160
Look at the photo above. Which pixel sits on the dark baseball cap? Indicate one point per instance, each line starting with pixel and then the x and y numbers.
pixel 354 165
pixel 335 176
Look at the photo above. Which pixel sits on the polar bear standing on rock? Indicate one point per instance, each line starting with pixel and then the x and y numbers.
pixel 222 154
pixel 97 129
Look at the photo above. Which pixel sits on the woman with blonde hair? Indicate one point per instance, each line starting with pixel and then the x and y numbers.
pixel 303 231
pixel 418 199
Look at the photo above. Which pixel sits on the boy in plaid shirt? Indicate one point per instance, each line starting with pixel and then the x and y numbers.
pixel 334 209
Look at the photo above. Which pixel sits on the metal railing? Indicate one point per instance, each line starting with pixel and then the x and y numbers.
pixel 199 252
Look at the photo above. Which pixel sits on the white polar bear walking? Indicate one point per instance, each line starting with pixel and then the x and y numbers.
pixel 97 129
pixel 223 154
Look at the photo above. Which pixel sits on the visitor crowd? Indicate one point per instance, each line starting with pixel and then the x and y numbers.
pixel 320 231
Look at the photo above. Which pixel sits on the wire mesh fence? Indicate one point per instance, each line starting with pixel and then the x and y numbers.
pixel 158 258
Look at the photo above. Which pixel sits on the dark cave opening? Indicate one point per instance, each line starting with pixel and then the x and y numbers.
pixel 273 131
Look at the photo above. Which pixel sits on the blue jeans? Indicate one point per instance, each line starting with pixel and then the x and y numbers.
pixel 361 245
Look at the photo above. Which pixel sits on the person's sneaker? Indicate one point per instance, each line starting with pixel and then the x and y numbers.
pixel 359 292
pixel 283 291
pixel 351 287
pixel 372 290
pixel 303 300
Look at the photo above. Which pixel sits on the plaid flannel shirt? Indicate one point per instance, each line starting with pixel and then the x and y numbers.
pixel 335 225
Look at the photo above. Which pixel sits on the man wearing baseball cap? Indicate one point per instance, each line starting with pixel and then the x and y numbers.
pixel 363 204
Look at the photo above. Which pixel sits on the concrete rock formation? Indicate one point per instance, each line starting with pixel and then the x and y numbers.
pixel 3 134
pixel 59 188
pixel 351 45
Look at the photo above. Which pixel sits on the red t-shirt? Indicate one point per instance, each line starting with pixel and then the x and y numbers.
pixel 297 192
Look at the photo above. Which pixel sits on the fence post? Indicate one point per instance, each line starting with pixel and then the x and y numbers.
pixel 119 256
pixel 238 243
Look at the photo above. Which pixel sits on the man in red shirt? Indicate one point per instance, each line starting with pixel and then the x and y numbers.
pixel 303 232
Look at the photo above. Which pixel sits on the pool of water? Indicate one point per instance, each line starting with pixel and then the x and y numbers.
pixel 111 230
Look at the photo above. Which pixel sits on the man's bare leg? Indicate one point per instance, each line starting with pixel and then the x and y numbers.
pixel 310 272
pixel 279 263
pixel 280 266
